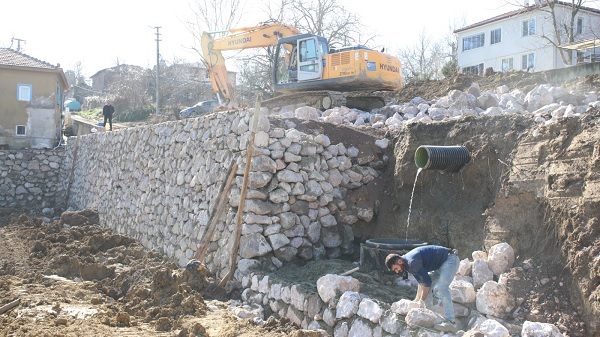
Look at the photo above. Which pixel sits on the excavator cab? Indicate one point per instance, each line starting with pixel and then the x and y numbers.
pixel 305 63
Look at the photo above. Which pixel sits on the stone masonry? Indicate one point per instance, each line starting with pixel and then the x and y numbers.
pixel 159 184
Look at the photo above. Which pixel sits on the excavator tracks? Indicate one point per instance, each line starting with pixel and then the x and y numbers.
pixel 324 100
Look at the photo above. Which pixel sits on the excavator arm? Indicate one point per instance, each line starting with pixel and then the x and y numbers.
pixel 213 43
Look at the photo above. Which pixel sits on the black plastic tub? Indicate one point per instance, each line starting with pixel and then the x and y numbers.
pixel 374 251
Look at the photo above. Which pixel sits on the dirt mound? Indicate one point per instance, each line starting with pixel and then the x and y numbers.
pixel 80 279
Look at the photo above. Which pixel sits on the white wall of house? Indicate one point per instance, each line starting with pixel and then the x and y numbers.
pixel 510 47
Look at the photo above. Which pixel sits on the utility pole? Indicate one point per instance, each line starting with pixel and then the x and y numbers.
pixel 18 42
pixel 157 70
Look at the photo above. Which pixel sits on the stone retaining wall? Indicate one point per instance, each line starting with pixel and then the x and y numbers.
pixel 30 179
pixel 159 184
pixel 338 305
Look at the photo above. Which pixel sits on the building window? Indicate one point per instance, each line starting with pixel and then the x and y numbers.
pixel 579 28
pixel 20 130
pixel 496 36
pixel 528 62
pixel 475 70
pixel 472 42
pixel 507 64
pixel 24 92
pixel 528 27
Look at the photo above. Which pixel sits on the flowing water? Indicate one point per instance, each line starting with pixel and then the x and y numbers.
pixel 411 200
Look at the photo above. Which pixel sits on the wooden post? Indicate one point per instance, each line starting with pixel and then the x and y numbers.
pixel 222 200
pixel 240 211
pixel 72 171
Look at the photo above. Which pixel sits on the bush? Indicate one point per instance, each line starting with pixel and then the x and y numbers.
pixel 450 69
pixel 133 116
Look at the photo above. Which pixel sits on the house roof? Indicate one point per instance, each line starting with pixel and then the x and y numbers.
pixel 519 11
pixel 11 57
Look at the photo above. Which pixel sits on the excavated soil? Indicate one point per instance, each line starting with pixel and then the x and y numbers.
pixel 81 280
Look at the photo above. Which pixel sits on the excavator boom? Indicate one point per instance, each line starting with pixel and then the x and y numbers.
pixel 213 43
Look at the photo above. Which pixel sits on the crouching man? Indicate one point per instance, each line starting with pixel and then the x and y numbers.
pixel 422 260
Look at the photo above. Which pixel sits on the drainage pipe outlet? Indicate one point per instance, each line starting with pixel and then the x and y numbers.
pixel 446 158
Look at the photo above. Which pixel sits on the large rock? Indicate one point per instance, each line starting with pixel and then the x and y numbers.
pixel 462 291
pixel 481 273
pixel 347 305
pixel 370 310
pixel 536 329
pixel 492 328
pixel 403 306
pixel 330 286
pixel 254 245
pixel 494 299
pixel 421 317
pixel 501 258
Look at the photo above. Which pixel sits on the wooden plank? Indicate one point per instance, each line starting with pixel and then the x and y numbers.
pixel 240 211
pixel 350 271
pixel 72 171
pixel 222 201
pixel 9 306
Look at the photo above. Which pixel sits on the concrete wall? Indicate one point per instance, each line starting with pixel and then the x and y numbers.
pixel 565 74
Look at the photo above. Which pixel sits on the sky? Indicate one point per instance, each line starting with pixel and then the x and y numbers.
pixel 102 34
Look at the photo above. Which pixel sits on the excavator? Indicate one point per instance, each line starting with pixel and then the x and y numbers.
pixel 307 71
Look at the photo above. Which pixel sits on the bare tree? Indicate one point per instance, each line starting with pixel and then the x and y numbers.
pixel 128 92
pixel 423 60
pixel 450 67
pixel 562 16
pixel 330 19
pixel 213 15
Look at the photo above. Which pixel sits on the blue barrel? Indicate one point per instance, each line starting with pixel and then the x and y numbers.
pixel 446 158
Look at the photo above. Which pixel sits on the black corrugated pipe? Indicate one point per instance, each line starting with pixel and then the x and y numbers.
pixel 446 158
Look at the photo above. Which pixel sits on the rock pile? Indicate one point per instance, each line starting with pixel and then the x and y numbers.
pixel 545 104
pixel 338 309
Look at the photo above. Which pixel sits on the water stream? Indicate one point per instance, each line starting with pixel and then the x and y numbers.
pixel 411 200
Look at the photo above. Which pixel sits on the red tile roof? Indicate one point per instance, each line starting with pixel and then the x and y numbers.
pixel 10 57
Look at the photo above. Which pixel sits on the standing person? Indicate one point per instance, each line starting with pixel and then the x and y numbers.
pixel 422 260
pixel 107 112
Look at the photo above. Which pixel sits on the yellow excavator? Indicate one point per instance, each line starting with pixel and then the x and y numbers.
pixel 306 70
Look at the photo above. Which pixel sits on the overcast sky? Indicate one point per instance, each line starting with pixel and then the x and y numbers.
pixel 100 34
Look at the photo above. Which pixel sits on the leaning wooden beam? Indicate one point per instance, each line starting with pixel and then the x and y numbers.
pixel 240 211
pixel 222 201
pixel 72 171
pixel 350 271
pixel 9 306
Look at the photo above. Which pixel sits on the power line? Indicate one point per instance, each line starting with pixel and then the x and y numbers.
pixel 157 69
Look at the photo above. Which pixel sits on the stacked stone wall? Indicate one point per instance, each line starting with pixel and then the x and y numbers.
pixel 30 179
pixel 159 184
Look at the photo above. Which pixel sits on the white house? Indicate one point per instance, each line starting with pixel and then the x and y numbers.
pixel 525 39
